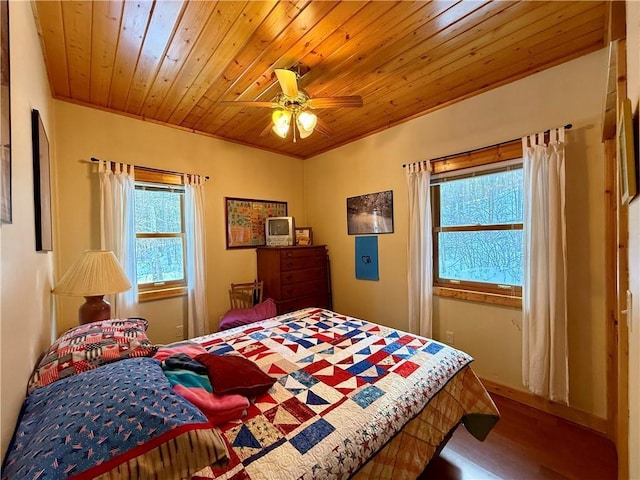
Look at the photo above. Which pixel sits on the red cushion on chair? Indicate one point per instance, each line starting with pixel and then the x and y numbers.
pixel 243 316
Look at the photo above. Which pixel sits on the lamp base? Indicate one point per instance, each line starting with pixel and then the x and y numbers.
pixel 94 309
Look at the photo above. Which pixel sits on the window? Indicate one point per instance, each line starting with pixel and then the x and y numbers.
pixel 160 239
pixel 477 229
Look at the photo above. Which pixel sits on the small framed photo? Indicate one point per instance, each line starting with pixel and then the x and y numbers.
pixel 304 236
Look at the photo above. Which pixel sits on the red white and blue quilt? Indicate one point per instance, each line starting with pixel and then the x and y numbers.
pixel 345 388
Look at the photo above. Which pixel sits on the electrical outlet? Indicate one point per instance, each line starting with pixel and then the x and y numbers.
pixel 448 337
pixel 179 331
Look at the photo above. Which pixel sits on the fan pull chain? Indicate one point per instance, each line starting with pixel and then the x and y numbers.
pixel 293 126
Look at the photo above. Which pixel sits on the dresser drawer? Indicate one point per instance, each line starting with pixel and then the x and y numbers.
pixel 298 263
pixel 295 277
pixel 299 276
pixel 303 252
pixel 304 289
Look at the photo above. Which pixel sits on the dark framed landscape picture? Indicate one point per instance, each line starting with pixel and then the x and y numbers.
pixel 370 214
pixel 41 184
pixel 5 117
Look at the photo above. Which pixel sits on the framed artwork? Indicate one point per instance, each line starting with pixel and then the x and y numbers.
pixel 304 236
pixel 367 258
pixel 41 184
pixel 626 154
pixel 245 220
pixel 371 213
pixel 5 117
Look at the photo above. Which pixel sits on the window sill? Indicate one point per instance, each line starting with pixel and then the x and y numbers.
pixel 149 295
pixel 481 297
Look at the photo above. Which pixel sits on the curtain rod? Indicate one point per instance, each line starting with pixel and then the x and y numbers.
pixel 568 126
pixel 159 170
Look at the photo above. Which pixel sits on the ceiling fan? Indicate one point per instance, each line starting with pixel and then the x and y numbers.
pixel 293 105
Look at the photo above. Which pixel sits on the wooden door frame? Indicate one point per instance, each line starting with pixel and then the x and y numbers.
pixel 616 250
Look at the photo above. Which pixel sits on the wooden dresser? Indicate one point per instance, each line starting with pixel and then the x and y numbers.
pixel 295 277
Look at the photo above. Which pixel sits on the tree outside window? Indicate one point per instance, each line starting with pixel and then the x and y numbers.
pixel 477 231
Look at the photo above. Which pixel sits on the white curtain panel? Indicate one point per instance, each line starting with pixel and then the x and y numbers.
pixel 196 262
pixel 117 229
pixel 419 255
pixel 544 308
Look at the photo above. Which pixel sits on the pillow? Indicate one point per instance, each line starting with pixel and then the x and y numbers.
pixel 243 316
pixel 122 420
pixel 235 374
pixel 89 346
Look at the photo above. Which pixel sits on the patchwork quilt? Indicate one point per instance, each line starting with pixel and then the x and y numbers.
pixel 345 388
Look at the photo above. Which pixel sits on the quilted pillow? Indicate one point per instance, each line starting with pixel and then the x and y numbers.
pixel 235 374
pixel 121 420
pixel 243 316
pixel 89 346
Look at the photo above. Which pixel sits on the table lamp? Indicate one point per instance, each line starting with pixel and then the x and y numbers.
pixel 95 274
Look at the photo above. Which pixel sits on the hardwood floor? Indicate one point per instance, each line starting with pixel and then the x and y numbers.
pixel 526 444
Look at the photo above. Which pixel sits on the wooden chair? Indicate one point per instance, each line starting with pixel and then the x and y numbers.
pixel 245 295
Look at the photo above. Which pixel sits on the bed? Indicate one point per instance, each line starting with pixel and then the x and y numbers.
pixel 346 398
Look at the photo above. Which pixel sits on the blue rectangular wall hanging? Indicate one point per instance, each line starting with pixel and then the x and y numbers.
pixel 367 258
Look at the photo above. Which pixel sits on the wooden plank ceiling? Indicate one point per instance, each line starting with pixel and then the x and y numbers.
pixel 174 62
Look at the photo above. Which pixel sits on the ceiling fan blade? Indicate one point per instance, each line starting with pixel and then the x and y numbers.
pixel 329 102
pixel 248 104
pixel 266 129
pixel 288 82
pixel 322 128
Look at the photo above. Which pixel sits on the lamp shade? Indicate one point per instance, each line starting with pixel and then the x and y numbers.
pixel 281 120
pixel 307 121
pixel 96 272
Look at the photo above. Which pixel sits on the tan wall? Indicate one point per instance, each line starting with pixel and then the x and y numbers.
pixel 26 275
pixel 570 93
pixel 633 92
pixel 235 171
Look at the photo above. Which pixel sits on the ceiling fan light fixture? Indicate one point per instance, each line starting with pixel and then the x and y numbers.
pixel 291 106
pixel 281 130
pixel 307 121
pixel 304 133
pixel 281 121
